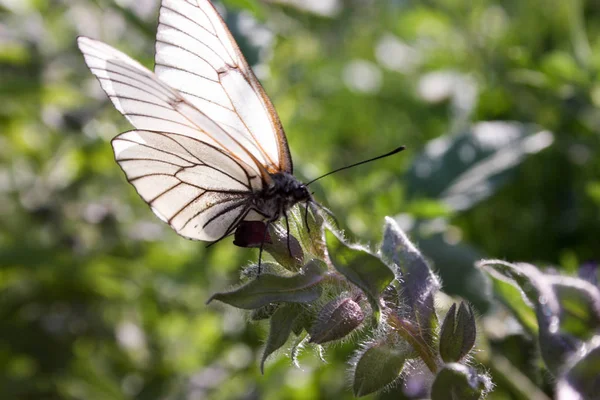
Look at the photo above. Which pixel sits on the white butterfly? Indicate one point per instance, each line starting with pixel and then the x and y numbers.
pixel 208 151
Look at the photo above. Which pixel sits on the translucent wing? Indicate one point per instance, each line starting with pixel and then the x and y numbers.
pixel 197 189
pixel 150 104
pixel 195 176
pixel 196 54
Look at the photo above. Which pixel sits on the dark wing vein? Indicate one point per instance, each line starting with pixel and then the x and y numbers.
pixel 164 192
pixel 195 39
pixel 225 211
pixel 115 96
pixel 182 69
pixel 161 118
pixel 203 163
pixel 231 156
pixel 189 19
pixel 205 99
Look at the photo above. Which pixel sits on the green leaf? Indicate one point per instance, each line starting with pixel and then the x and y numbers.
pixel 304 321
pixel 361 268
pixel 279 331
pixel 378 365
pixel 456 261
pixel 291 256
pixel 510 296
pixel 418 283
pixel 580 306
pixel 264 312
pixel 582 377
pixel 458 333
pixel 461 170
pixel 267 288
pixel 537 289
pixel 459 382
pixel 309 233
pixel 337 319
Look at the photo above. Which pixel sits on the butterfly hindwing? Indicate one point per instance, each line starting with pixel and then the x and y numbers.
pixel 199 198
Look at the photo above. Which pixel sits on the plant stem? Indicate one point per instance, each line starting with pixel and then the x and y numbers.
pixel 407 330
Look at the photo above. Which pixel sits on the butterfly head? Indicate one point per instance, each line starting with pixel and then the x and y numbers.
pixel 287 186
pixel 301 193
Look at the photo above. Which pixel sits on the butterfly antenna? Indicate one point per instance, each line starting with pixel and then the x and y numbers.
pixel 391 153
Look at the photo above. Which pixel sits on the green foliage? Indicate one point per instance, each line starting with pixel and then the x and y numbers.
pixel 361 268
pixel 404 317
pixel 498 104
pixel 300 288
pixel 459 382
pixel 378 365
pixel 567 311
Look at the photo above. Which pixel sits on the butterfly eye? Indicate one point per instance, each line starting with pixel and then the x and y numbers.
pixel 300 193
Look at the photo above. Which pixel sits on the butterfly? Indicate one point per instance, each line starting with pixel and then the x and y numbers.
pixel 208 151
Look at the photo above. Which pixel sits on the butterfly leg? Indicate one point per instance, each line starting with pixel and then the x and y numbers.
pixel 287 228
pixel 306 217
pixel 262 245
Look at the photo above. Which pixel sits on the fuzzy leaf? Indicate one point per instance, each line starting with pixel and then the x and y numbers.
pixel 581 380
pixel 361 268
pixel 337 319
pixel 418 283
pixel 580 306
pixel 292 257
pixel 493 149
pixel 264 312
pixel 303 322
pixel 510 296
pixel 301 288
pixel 459 382
pixel 458 333
pixel 538 291
pixel 311 235
pixel 279 331
pixel 378 366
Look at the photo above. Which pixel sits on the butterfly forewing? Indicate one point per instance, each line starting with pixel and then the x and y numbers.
pixel 151 104
pixel 196 54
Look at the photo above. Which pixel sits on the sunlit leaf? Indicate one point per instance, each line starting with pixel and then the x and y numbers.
pixel 361 268
pixel 461 170
pixel 418 283
pixel 459 382
pixel 279 332
pixel 377 366
pixel 556 346
pixel 301 288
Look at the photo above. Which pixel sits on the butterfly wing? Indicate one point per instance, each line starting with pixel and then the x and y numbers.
pixel 195 176
pixel 198 190
pixel 197 55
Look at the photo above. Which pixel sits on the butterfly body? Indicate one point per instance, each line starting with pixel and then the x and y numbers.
pixel 284 192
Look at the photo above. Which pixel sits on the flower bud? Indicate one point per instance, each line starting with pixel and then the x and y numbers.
pixel 337 319
pixel 458 333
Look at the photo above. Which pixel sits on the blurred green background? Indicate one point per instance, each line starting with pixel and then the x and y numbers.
pixel 498 103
